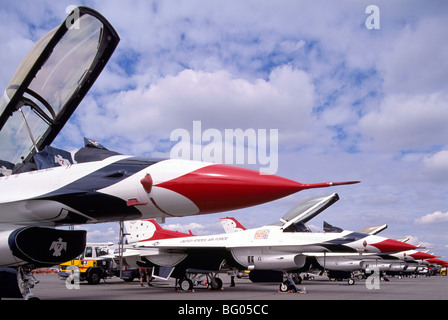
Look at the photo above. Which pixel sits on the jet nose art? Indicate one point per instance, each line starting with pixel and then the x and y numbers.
pixel 390 245
pixel 421 255
pixel 217 188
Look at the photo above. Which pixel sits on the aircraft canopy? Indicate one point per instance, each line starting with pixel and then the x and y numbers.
pixel 51 81
pixel 295 218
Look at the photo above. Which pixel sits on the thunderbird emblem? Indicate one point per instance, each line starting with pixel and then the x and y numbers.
pixel 58 246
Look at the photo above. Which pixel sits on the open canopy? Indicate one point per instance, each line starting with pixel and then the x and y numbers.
pixel 51 81
pixel 295 218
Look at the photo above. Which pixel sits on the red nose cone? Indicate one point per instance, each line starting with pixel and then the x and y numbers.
pixel 421 255
pixel 218 187
pixel 390 245
pixel 438 261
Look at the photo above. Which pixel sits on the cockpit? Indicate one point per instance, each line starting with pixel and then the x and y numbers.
pixel 294 220
pixel 50 83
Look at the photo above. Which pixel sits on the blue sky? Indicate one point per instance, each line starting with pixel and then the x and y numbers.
pixel 349 103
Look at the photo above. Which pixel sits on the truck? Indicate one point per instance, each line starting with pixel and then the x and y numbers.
pixel 96 263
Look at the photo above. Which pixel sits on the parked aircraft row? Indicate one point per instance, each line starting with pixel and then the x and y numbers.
pixel 272 252
pixel 340 266
pixel 42 187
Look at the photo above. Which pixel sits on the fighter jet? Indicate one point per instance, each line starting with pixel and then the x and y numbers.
pixel 281 246
pixel 42 187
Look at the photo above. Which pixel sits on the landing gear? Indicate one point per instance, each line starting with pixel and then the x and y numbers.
pixel 297 279
pixel 284 286
pixel 216 283
pixel 289 284
pixel 186 284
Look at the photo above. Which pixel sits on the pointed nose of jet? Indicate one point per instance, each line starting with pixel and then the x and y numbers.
pixel 421 255
pixel 217 188
pixel 440 262
pixel 390 245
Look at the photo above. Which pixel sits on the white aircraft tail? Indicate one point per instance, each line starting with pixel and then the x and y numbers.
pixel 143 230
pixel 139 230
pixel 231 225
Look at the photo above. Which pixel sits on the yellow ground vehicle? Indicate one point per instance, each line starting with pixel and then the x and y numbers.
pixel 94 264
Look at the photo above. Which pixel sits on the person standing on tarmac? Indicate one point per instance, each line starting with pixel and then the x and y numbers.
pixel 144 273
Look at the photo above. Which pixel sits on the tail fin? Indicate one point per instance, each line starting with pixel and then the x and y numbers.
pixel 231 225
pixel 145 230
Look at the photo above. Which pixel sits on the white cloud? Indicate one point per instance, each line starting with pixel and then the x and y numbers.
pixel 105 232
pixel 218 99
pixel 436 165
pixel 406 121
pixel 194 227
pixel 435 217
pixel 415 61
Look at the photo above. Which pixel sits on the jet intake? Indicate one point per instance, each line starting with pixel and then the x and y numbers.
pixel 41 246
pixel 300 260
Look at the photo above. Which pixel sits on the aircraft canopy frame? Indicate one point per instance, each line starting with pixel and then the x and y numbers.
pixel 51 81
pixel 307 209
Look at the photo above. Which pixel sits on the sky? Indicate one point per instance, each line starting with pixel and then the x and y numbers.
pixel 352 98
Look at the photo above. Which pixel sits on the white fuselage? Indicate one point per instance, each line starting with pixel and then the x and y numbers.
pixel 38 197
pixel 264 248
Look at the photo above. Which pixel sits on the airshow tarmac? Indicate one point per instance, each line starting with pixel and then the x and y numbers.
pixel 51 287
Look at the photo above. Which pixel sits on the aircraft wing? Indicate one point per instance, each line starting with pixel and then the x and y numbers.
pixel 51 81
pixel 167 258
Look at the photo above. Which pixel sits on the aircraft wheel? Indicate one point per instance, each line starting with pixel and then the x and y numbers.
pixel 283 287
pixel 216 283
pixel 351 281
pixel 186 284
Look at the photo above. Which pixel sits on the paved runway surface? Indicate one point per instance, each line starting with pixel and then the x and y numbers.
pixel 422 288
pixel 323 299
